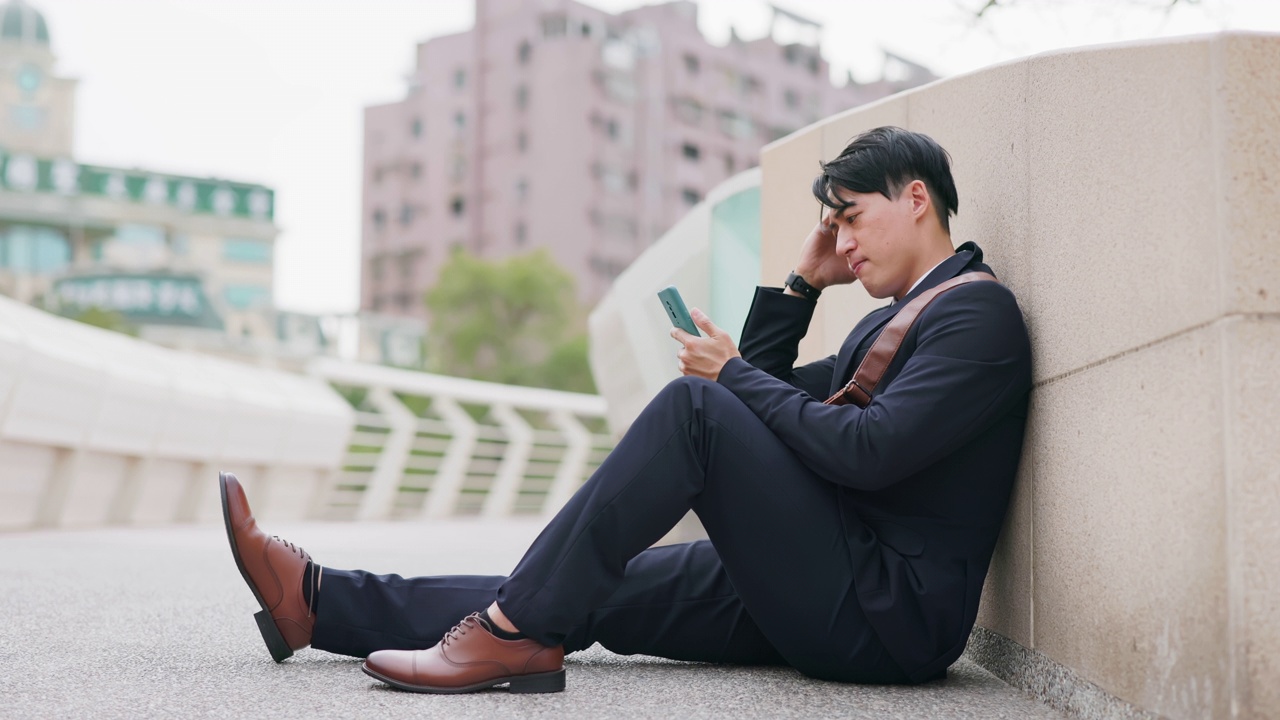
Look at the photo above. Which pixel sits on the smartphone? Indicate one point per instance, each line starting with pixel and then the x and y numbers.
pixel 677 313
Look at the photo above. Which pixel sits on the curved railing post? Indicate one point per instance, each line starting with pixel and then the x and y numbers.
pixel 510 474
pixel 443 496
pixel 572 465
pixel 384 484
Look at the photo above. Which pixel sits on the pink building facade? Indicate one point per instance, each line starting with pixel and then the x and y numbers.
pixel 556 125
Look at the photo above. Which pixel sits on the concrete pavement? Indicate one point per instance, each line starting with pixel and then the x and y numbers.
pixel 130 623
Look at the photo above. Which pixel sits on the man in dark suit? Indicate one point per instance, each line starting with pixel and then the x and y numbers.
pixel 850 543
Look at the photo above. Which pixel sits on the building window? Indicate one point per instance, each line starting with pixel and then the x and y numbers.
pixel 460 120
pixel 244 297
pixel 522 141
pixel 524 52
pixel 522 189
pixel 415 127
pixel 691 64
pixel 521 234
pixel 522 97
pixel 690 196
pixel 379 218
pixel 736 125
pixel 791 98
pixel 244 250
pixel 458 206
pixel 691 152
pixel 612 179
pixel 586 30
pixel 459 78
pixel 611 129
pixel 554 25
pixel 415 170
pixel 37 250
pixel 406 214
pixel 408 260
pixel 688 110
pixel 730 164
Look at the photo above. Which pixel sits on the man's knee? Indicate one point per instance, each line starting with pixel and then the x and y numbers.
pixel 693 388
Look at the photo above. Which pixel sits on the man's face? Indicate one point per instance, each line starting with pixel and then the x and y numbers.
pixel 875 236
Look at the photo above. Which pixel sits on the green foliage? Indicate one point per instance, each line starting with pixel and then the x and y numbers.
pixel 105 319
pixel 513 321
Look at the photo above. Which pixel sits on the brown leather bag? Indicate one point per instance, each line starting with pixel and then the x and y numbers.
pixel 871 369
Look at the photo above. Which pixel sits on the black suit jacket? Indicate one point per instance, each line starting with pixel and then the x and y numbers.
pixel 925 470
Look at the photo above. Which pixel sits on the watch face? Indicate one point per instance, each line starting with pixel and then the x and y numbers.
pixel 29 78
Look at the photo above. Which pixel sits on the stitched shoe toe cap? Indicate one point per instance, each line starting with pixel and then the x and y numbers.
pixel 396 664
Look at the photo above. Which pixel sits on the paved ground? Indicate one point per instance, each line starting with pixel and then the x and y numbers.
pixel 157 623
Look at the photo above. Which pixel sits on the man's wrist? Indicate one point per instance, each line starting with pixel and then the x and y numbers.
pixel 799 286
pixel 811 277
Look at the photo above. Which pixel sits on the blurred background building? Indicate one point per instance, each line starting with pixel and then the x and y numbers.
pixel 560 126
pixel 183 261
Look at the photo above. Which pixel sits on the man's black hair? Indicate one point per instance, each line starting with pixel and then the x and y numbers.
pixel 884 160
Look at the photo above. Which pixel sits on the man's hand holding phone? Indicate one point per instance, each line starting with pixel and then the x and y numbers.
pixel 701 355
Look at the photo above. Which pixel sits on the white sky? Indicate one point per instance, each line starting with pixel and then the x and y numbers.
pixel 271 91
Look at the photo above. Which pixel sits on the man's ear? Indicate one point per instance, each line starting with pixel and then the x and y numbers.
pixel 918 196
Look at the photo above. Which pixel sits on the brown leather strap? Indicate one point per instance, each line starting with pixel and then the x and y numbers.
pixel 881 354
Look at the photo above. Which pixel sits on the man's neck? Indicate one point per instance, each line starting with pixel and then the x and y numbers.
pixel 929 262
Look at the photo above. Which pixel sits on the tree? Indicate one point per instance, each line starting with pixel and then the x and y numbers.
pixel 105 319
pixel 512 321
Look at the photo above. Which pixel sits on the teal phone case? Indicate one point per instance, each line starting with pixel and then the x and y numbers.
pixel 677 313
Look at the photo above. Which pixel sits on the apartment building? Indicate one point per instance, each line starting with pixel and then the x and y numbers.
pixel 560 126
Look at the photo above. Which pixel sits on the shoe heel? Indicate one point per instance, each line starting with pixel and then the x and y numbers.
pixel 541 683
pixel 280 650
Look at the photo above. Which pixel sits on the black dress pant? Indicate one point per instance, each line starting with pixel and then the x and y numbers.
pixel 774 585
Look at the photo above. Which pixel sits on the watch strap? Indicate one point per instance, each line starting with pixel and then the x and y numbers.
pixel 797 283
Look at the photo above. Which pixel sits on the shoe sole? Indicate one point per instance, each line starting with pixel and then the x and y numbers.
pixel 276 645
pixel 547 682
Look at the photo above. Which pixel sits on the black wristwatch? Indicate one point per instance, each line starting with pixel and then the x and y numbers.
pixel 797 283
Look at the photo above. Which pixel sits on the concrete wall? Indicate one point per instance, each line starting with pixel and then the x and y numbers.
pixel 1129 196
pixel 99 428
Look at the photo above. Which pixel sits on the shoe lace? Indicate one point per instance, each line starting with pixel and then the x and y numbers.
pixel 471 621
pixel 315 569
pixel 292 548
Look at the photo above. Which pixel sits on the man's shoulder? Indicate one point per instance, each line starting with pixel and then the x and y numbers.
pixel 984 313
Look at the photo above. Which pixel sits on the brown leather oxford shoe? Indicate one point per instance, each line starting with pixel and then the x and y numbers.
pixel 273 569
pixel 470 658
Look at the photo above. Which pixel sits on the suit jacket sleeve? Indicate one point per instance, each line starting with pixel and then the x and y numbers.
pixel 771 338
pixel 969 363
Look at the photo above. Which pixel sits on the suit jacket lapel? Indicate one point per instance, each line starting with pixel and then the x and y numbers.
pixel 875 320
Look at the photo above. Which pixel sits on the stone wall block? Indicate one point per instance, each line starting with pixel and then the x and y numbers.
pixel 1247 85
pixel 1129 520
pixel 1121 231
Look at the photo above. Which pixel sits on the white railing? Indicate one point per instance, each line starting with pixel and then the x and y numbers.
pixel 471 447
pixel 101 429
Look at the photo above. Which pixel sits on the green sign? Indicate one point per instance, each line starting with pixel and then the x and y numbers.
pixel 27 173
pixel 146 299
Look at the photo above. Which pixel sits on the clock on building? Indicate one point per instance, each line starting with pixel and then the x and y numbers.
pixel 29 78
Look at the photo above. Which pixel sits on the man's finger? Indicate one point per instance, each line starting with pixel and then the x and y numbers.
pixel 702 321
